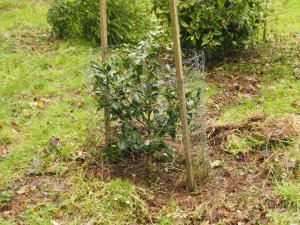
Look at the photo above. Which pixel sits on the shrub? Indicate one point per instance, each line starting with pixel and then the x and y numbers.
pixel 216 26
pixel 139 87
pixel 127 20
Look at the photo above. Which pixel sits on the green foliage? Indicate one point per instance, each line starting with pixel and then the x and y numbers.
pixel 127 20
pixel 139 87
pixel 237 144
pixel 282 218
pixel 5 197
pixel 291 193
pixel 140 92
pixel 218 27
pixel 43 216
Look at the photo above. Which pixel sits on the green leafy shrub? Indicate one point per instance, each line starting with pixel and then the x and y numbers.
pixel 127 20
pixel 216 26
pixel 138 85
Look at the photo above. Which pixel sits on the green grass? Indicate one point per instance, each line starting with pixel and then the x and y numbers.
pixel 117 201
pixel 54 71
pixel 277 103
pixel 6 5
pixel 34 66
pixel 40 214
pixel 279 97
pixel 284 218
pixel 280 65
pixel 290 193
pixel 286 16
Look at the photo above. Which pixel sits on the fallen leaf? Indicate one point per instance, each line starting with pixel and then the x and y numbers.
pixel 215 163
pixel 218 107
pixel 291 164
pixel 147 142
pixel 16 124
pixel 36 162
pixel 14 130
pixel 252 87
pixel 248 96
pixel 91 222
pixel 263 220
pixel 295 104
pixel 26 114
pixel 58 187
pixel 277 133
pixel 71 49
pixel 45 100
pixel 58 215
pixel 266 153
pixel 22 190
pixel 54 142
pixel 272 88
pixel 78 91
pixel 4 152
pixel 80 104
pixel 40 104
pixel 54 222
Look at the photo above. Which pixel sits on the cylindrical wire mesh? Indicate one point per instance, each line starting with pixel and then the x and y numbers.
pixel 194 64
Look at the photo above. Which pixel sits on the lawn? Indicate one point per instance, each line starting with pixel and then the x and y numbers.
pixel 50 132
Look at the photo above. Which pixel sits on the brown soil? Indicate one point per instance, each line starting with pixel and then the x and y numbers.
pixel 242 83
pixel 35 42
pixel 31 192
pixel 241 189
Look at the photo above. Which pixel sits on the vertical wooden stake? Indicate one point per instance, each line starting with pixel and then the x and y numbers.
pixel 181 96
pixel 104 48
pixel 265 21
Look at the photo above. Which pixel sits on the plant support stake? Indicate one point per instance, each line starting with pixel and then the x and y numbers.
pixel 191 185
pixel 104 48
pixel 265 21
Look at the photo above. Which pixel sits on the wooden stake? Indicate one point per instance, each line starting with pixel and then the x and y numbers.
pixel 181 96
pixel 265 21
pixel 104 48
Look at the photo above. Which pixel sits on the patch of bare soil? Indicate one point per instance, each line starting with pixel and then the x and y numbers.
pixel 245 83
pixel 31 192
pixel 31 41
pixel 238 190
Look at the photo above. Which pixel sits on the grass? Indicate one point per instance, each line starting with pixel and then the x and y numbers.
pixel 290 193
pixel 52 71
pixel 286 17
pixel 283 218
pixel 280 67
pixel 34 68
pixel 117 201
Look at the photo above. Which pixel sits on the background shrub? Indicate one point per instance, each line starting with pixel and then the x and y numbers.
pixel 216 26
pixel 128 20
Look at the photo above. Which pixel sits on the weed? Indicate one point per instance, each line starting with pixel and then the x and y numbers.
pixel 283 218
pixel 290 193
pixel 5 197
pixel 237 145
pixel 4 222
pixel 112 202
pixel 41 214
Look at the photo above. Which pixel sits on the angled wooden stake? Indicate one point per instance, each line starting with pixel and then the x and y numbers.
pixel 104 48
pixel 181 96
